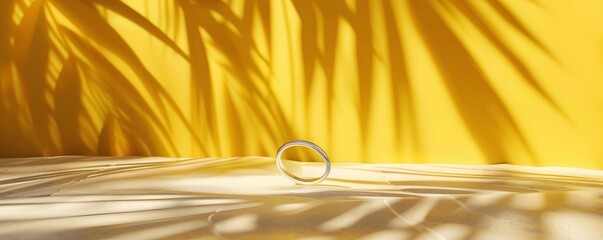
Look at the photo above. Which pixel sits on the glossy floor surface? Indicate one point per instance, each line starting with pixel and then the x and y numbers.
pixel 248 198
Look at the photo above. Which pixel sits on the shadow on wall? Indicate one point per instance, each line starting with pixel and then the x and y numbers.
pixel 72 83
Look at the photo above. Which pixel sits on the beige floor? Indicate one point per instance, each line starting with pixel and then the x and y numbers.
pixel 247 198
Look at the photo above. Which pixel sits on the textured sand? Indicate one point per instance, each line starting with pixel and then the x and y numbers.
pixel 247 198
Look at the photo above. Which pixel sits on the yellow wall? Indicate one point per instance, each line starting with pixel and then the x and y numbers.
pixel 446 81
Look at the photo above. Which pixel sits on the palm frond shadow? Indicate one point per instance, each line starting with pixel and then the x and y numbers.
pixel 14 140
pixel 31 55
pixel 238 48
pixel 485 115
pixel 134 116
pixel 203 113
pixel 364 60
pixel 72 97
pixel 127 12
pixel 404 104
pixel 470 12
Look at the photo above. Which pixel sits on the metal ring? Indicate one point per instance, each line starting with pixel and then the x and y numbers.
pixel 302 143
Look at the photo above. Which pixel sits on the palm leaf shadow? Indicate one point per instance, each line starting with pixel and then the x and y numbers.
pixel 511 19
pixel 31 55
pixel 364 61
pixel 202 94
pixel 135 17
pixel 68 109
pixel 89 21
pixel 330 12
pixel 14 140
pixel 403 102
pixel 309 34
pixel 483 112
pixel 121 92
pixel 237 46
pixel 473 15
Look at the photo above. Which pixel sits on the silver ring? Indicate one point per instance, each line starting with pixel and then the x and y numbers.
pixel 302 143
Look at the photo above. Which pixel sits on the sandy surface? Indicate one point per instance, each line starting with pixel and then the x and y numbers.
pixel 247 198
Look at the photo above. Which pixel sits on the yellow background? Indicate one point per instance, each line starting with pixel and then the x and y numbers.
pixel 428 81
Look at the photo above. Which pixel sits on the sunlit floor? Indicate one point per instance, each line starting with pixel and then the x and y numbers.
pixel 247 198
